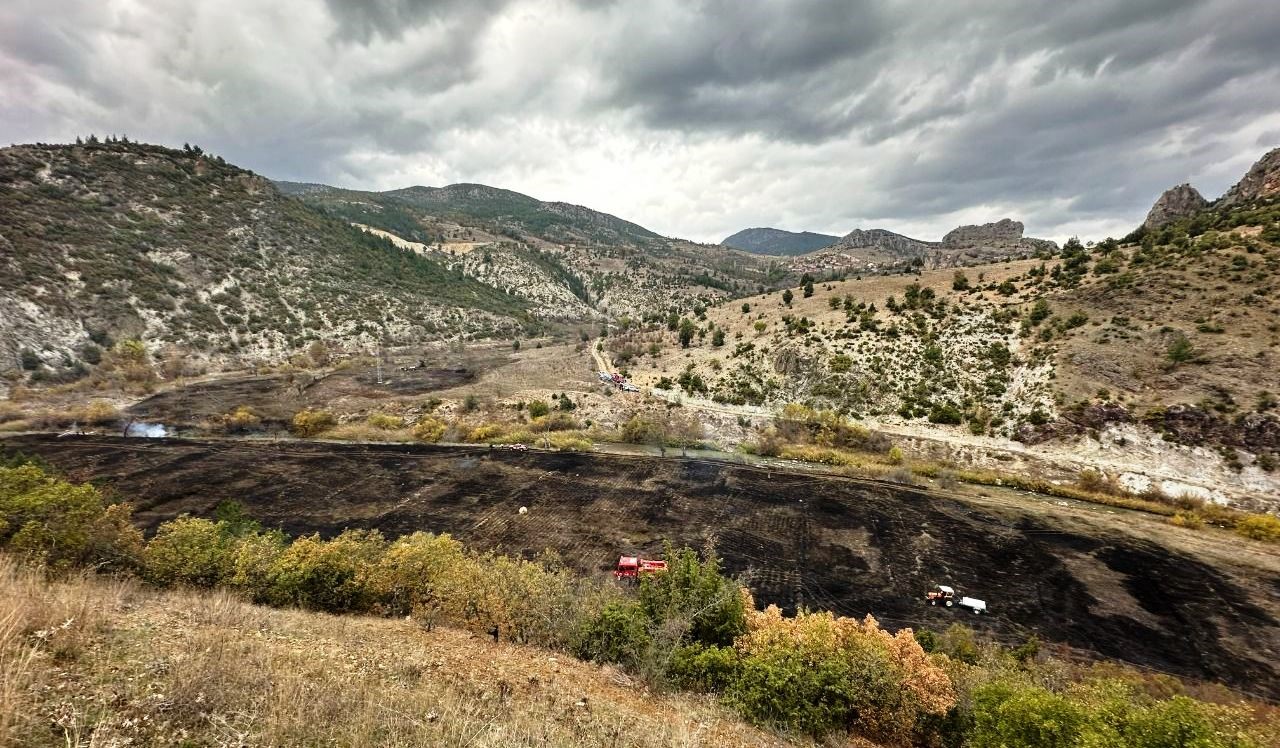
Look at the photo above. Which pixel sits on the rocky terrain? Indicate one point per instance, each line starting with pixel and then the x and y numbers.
pixel 1261 182
pixel 1178 202
pixel 1129 353
pixel 102 242
pixel 768 241
pixel 880 250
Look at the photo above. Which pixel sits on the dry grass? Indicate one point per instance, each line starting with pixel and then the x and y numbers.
pixel 91 661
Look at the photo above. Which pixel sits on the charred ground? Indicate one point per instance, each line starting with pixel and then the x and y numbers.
pixel 851 546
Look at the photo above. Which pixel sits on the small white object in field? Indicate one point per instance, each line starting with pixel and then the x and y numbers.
pixel 524 510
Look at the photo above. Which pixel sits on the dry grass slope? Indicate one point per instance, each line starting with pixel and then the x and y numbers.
pixel 98 661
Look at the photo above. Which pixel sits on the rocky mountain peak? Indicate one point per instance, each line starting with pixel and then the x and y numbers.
pixel 1176 202
pixel 1262 180
pixel 1004 231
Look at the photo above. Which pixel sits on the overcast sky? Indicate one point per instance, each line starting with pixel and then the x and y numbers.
pixel 695 119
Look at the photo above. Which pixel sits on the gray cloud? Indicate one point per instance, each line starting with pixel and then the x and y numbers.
pixel 695 118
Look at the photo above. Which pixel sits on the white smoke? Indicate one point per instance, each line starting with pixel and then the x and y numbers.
pixel 148 430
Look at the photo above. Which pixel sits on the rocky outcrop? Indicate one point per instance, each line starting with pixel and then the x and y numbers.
pixel 1003 232
pixel 895 244
pixel 965 245
pixel 1262 180
pixel 1176 203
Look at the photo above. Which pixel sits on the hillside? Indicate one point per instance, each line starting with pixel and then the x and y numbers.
pixel 768 241
pixel 1158 351
pixel 568 261
pixel 103 242
pixel 125 664
pixel 880 250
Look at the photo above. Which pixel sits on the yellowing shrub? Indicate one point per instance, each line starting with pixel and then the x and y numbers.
pixel 487 432
pixel 312 422
pixel 428 429
pixel 100 412
pixel 840 674
pixel 570 442
pixel 385 421
pixel 1259 527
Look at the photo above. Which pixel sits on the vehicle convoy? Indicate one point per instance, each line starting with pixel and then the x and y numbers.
pixel 632 567
pixel 946 596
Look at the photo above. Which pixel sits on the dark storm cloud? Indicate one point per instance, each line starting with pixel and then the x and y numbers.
pixel 361 20
pixel 693 117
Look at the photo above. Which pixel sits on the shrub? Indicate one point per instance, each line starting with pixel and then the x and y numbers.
pixel 1024 715
pixel 1259 527
pixel 242 419
pixel 695 595
pixel 701 668
pixel 1180 350
pixel 841 363
pixel 428 429
pixel 895 456
pixel 326 575
pixel 59 524
pixel 618 634
pixel 486 432
pixel 538 408
pixel 307 423
pixel 945 414
pixel 414 573
pixel 100 412
pixel 252 559
pixel 817 673
pixel 559 421
pixel 385 421
pixel 570 442
pixel 189 550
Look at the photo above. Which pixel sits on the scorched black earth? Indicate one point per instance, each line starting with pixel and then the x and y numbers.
pixel 850 546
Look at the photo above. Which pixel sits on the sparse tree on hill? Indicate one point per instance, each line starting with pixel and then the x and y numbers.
pixel 787 296
pixel 687 330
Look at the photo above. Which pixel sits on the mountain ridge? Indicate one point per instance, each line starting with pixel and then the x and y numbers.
pixel 778 242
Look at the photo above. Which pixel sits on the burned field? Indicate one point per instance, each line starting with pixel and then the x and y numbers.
pixel 276 397
pixel 850 546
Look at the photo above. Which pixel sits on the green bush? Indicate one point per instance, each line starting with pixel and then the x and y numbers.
pixel 705 669
pixel 619 634
pixel 53 522
pixel 1007 715
pixel 326 575
pixel 1100 714
pixel 538 408
pixel 695 593
pixel 188 550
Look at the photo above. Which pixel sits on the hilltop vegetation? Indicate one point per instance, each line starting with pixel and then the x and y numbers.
pixel 101 242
